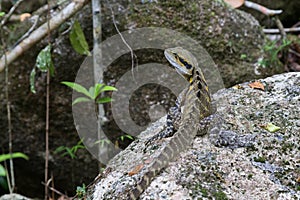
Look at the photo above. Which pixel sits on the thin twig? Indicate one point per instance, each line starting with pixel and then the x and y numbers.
pixel 47 107
pixel 11 184
pixel 11 164
pixel 44 8
pixel 55 190
pixel 17 17
pixel 52 183
pixel 262 9
pixel 294 52
pixel 123 39
pixel 293 29
pixel 7 178
pixel 11 11
pixel 280 27
pixel 28 32
pixel 296 25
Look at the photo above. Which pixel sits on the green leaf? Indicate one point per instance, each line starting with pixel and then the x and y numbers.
pixel 92 92
pixel 75 148
pixel 4 157
pixel 271 128
pixel 103 142
pixel 243 56
pixel 129 137
pixel 77 88
pixel 71 154
pixel 2 14
pixel 59 149
pixel 44 60
pixel 80 99
pixel 108 88
pixel 122 137
pixel 104 100
pixel 78 146
pixel 32 80
pixel 2 171
pixel 98 87
pixel 78 40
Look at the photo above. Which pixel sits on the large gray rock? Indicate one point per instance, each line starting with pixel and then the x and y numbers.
pixel 13 197
pixel 267 170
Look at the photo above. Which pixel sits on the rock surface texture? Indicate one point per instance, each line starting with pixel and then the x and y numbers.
pixel 270 169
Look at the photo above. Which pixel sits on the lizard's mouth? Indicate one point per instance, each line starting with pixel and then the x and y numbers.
pixel 182 71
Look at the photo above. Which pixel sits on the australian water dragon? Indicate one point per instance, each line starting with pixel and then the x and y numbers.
pixel 190 117
pixel 184 124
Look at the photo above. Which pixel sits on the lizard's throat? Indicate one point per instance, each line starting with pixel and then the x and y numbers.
pixel 191 77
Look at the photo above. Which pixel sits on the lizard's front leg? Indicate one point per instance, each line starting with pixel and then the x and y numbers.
pixel 173 120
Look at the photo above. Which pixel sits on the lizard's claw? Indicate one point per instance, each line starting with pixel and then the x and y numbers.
pixel 150 141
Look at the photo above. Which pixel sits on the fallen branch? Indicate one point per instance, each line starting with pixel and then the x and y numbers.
pixel 293 29
pixel 55 190
pixel 262 9
pixel 42 31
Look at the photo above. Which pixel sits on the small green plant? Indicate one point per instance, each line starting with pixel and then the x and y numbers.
pixel 122 137
pixel 272 49
pixel 93 94
pixel 81 191
pixel 2 14
pixel 102 142
pixel 243 56
pixel 3 172
pixel 78 40
pixel 43 63
pixel 69 151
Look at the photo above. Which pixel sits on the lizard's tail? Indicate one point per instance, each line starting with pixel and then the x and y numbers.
pixel 177 144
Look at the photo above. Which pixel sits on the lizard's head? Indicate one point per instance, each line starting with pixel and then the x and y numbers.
pixel 183 61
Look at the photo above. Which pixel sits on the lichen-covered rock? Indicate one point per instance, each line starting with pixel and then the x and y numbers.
pixel 13 197
pixel 267 170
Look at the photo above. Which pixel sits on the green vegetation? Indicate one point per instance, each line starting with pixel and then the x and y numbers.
pixel 120 138
pixel 78 40
pixel 93 94
pixel 3 171
pixel 43 63
pixel 69 151
pixel 81 191
pixel 272 49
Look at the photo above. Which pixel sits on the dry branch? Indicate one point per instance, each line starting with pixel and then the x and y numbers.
pixel 262 9
pixel 42 31
pixel 293 29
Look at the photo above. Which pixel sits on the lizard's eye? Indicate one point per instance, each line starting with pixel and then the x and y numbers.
pixel 185 63
pixel 176 56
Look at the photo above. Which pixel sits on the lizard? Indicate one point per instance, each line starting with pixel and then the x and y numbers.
pixel 184 125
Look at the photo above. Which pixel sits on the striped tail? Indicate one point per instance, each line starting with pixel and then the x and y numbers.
pixel 178 143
